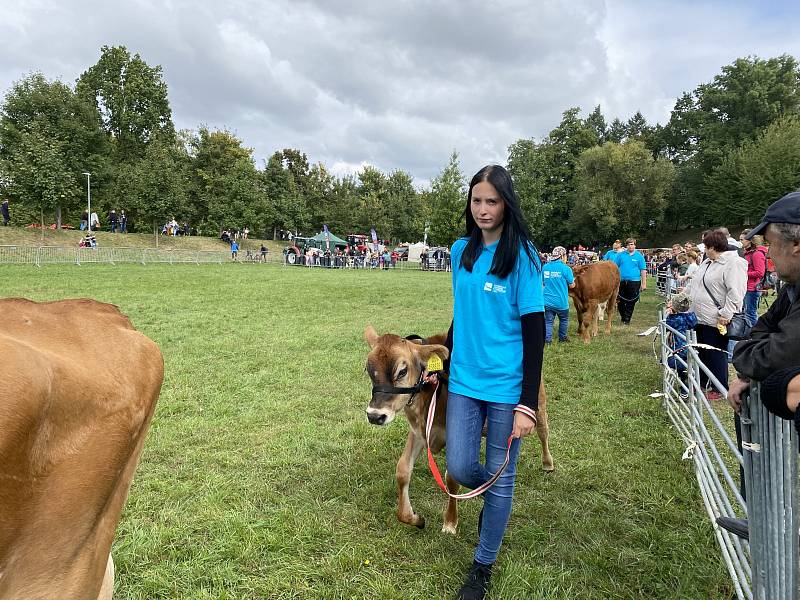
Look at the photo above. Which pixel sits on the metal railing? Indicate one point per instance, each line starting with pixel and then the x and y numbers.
pixel 767 567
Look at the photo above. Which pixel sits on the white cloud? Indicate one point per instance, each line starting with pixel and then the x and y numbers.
pixel 398 85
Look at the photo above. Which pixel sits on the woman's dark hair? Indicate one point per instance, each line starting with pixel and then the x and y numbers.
pixel 716 240
pixel 515 230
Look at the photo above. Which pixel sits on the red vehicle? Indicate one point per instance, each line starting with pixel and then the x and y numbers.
pixel 358 241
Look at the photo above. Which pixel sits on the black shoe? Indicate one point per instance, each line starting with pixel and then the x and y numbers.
pixel 737 527
pixel 564 341
pixel 477 583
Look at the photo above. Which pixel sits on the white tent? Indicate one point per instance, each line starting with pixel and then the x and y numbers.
pixel 415 250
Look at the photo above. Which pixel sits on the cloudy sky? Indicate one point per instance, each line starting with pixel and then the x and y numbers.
pixel 401 84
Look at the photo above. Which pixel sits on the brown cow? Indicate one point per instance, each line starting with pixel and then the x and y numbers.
pixel 396 362
pixel 595 291
pixel 79 388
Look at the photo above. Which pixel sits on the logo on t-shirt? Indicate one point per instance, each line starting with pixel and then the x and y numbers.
pixel 496 288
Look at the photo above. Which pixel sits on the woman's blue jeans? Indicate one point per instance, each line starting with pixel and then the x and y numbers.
pixel 750 307
pixel 563 323
pixel 465 418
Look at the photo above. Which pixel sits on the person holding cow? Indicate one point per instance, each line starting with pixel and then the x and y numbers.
pixel 558 277
pixel 497 343
pixel 633 274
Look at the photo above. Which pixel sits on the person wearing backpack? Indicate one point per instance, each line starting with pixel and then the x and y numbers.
pixel 756 257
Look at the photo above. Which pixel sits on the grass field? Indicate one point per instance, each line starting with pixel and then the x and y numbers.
pixel 262 479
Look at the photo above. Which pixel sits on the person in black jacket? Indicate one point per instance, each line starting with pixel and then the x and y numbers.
pixel 772 354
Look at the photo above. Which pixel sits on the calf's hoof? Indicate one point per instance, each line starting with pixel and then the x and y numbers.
pixel 451 528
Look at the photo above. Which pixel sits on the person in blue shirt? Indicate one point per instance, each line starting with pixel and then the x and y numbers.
pixel 633 272
pixel 497 342
pixel 558 278
pixel 234 250
pixel 615 249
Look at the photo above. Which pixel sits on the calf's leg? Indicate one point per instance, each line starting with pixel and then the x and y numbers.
pixel 406 514
pixel 543 430
pixel 450 523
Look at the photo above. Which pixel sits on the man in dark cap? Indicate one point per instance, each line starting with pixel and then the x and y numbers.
pixel 772 354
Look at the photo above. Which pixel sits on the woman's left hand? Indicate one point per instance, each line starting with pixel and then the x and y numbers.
pixel 523 425
pixel 723 321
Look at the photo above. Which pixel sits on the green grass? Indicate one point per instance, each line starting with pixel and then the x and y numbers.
pixel 262 479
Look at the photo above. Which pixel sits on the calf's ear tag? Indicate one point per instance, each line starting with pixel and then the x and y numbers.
pixel 435 363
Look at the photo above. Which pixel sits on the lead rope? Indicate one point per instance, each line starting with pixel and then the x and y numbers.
pixel 435 469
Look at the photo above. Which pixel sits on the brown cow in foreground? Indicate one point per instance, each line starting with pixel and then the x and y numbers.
pixel 79 388
pixel 398 362
pixel 595 291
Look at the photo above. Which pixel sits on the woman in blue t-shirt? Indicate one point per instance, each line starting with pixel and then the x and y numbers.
pixel 497 341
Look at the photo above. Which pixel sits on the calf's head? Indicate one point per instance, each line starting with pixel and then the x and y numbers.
pixel 394 362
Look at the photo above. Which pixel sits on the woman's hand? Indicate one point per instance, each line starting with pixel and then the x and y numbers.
pixel 523 425
pixel 723 321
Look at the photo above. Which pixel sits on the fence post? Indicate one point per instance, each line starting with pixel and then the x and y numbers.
pixel 770 461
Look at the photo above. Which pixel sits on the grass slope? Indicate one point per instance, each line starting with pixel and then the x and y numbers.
pixel 262 479
pixel 20 236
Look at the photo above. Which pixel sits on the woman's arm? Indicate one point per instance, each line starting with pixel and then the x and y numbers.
pixel 532 358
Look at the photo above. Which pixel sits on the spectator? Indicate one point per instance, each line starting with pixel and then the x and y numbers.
pixel 123 222
pixel 691 268
pixel 772 354
pixel 234 249
pixel 633 272
pixel 84 220
pixel 95 222
pixel 681 319
pixel 756 256
pixel 6 213
pixel 112 220
pixel 557 278
pixel 263 253
pixel 732 243
pixel 717 291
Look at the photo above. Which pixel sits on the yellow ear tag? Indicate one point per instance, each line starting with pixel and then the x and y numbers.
pixel 435 363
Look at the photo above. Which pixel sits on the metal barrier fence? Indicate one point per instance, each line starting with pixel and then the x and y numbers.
pixel 767 567
pixel 46 255
pixel 50 255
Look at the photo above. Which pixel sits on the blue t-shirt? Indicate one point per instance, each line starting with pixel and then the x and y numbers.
pixel 630 265
pixel 557 277
pixel 234 247
pixel 610 254
pixel 487 330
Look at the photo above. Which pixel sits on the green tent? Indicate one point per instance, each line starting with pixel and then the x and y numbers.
pixel 335 241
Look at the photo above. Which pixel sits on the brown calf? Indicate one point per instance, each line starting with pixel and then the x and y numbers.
pixel 80 386
pixel 396 362
pixel 595 291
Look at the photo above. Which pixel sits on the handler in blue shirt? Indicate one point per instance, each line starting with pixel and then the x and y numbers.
pixel 557 278
pixel 633 272
pixel 616 249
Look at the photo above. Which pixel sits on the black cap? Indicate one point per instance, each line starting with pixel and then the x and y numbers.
pixel 785 210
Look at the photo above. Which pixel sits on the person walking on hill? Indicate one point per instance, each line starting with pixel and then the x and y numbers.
pixel 633 272
pixel 558 277
pixel 6 213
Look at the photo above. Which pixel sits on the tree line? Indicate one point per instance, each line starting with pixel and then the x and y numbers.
pixel 730 147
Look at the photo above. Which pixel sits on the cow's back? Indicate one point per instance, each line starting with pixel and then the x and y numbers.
pixel 597 281
pixel 79 389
